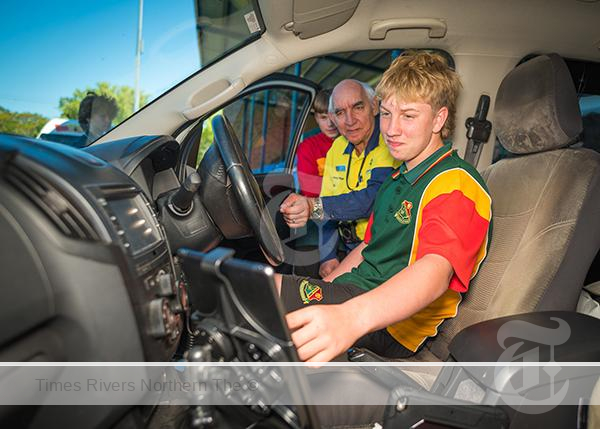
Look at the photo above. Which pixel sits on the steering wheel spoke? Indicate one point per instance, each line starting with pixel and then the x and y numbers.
pixel 247 190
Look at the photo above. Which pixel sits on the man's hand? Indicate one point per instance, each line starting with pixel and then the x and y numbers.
pixel 296 210
pixel 327 267
pixel 322 332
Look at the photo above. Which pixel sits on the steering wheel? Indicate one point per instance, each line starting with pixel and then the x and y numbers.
pixel 247 190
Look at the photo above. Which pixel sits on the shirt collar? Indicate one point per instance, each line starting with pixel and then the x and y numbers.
pixel 419 171
pixel 371 144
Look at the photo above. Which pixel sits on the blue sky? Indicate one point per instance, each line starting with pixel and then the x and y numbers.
pixel 51 48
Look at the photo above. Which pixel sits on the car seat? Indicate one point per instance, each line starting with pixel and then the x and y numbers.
pixel 545 204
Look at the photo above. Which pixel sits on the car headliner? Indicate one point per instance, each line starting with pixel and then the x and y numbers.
pixel 485 38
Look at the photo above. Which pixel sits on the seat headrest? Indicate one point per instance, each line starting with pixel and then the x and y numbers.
pixel 537 108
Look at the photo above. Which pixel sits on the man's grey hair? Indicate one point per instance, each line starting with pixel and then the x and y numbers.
pixel 366 87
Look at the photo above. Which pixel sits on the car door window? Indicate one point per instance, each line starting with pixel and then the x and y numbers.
pixel 264 122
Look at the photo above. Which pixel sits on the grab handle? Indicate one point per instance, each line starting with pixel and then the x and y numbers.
pixel 437 28
pixel 230 91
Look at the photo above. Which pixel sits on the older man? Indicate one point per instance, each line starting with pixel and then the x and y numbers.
pixel 356 165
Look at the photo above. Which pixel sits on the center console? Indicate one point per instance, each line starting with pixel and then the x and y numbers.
pixel 157 294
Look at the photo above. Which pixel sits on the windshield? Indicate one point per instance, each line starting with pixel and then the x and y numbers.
pixel 73 70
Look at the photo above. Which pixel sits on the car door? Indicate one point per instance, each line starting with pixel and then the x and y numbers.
pixel 268 118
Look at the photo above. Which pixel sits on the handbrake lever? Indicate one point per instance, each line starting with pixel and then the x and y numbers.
pixel 389 376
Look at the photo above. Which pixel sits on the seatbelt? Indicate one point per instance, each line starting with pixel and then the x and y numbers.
pixel 478 130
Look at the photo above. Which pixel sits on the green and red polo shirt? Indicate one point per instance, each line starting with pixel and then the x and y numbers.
pixel 441 206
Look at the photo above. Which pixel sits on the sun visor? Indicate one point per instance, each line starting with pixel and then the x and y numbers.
pixel 315 17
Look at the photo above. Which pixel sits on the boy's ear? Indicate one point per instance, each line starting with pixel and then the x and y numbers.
pixel 440 119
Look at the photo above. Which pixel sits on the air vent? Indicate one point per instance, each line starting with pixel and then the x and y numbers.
pixel 52 202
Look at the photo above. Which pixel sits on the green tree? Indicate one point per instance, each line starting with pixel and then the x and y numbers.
pixel 208 136
pixel 24 124
pixel 122 94
pixel 206 140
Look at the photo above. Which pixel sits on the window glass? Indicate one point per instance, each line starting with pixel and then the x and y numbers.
pixel 366 66
pixel 224 25
pixel 264 123
pixel 586 76
pixel 118 56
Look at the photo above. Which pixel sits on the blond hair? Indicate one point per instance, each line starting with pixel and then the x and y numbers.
pixel 426 77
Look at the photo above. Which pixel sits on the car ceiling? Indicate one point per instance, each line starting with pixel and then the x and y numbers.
pixel 486 39
pixel 508 27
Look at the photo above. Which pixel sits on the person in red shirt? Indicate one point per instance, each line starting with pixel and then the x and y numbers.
pixel 312 150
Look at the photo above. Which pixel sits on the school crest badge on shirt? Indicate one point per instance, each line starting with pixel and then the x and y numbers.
pixel 403 214
pixel 310 292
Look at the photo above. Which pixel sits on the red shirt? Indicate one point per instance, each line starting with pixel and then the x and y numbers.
pixel 311 163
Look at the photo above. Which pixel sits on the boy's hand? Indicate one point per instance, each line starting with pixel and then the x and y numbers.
pixel 322 332
pixel 327 267
pixel 296 210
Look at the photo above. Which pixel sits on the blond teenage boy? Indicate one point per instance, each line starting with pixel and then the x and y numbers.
pixel 426 238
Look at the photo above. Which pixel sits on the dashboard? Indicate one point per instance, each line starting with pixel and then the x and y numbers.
pixel 89 272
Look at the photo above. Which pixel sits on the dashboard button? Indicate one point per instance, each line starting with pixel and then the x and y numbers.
pixel 165 284
pixel 157 318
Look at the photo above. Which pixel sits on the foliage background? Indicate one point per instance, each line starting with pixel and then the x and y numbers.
pixel 122 94
pixel 30 124
pixel 25 124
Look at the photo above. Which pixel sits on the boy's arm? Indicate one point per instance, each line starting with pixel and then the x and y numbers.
pixel 352 260
pixel 355 257
pixel 452 243
pixel 323 332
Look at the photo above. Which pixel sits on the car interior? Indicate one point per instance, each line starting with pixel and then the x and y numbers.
pixel 158 243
